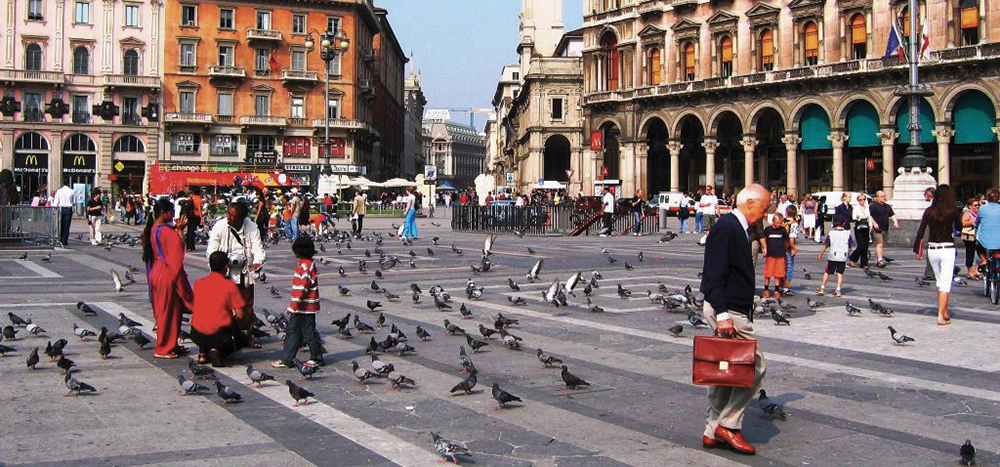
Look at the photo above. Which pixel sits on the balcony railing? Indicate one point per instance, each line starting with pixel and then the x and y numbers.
pixel 263 120
pixel 227 71
pixel 263 34
pixel 958 53
pixel 299 75
pixel 131 119
pixel 81 117
pixel 343 123
pixel 187 117
pixel 651 6
pixel 224 119
pixel 132 81
pixel 33 115
pixel 297 121
pixel 223 151
pixel 33 76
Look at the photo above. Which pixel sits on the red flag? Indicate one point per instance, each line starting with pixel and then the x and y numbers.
pixel 273 64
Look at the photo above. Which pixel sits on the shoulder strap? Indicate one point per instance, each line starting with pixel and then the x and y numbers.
pixel 159 245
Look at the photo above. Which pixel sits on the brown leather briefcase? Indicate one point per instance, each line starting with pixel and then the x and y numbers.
pixel 724 362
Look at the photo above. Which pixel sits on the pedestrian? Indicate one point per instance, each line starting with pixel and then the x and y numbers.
pixel 699 214
pixel 95 215
pixel 928 270
pixel 709 204
pixel 758 242
pixel 882 217
pixel 844 210
pixel 972 249
pixel 303 216
pixel 792 226
pixel 822 209
pixel 63 199
pixel 239 238
pixel 294 206
pixel 303 307
pixel 728 286
pixel 263 215
pixel 637 206
pixel 809 216
pixel 286 216
pixel 683 212
pixel 410 221
pixel 862 233
pixel 607 210
pixel 170 292
pixel 783 204
pixel 940 220
pixel 218 307
pixel 358 210
pixel 327 204
pixel 774 259
pixel 187 210
pixel 839 244
pixel 988 222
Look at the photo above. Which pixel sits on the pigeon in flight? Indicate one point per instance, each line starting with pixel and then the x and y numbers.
pixel 550 294
pixel 547 360
pixel 513 285
pixel 503 397
pixel 770 408
pixel 448 449
pixel 298 393
pixel 572 381
pixel 534 271
pixel 899 338
pixel 76 386
pixel 189 387
pixel 258 377
pixel 227 394
pixel 466 385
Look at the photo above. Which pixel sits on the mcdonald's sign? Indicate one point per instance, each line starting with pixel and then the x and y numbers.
pixel 31 160
pixel 79 164
pixel 31 163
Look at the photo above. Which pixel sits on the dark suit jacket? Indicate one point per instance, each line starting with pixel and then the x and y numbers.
pixel 728 274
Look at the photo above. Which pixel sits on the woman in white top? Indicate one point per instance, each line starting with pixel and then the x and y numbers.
pixel 862 232
pixel 410 221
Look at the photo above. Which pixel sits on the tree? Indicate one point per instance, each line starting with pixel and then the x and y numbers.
pixel 8 192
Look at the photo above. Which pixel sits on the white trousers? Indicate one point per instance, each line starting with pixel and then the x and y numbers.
pixel 95 229
pixel 943 263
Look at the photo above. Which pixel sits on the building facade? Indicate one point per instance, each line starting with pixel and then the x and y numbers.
pixel 81 91
pixel 413 132
pixel 241 89
pixel 388 112
pixel 499 136
pixel 458 151
pixel 795 94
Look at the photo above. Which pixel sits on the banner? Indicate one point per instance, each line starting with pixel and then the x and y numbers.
pixel 162 182
pixel 596 140
pixel 79 164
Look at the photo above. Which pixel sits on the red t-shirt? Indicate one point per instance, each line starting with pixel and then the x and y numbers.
pixel 215 298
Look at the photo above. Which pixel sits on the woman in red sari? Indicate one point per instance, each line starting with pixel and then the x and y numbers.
pixel 169 290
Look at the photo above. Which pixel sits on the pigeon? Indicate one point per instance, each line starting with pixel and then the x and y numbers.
pixel 595 308
pixel 676 329
pixel 362 267
pixel 34 329
pixel 344 291
pixel 695 319
pixel 117 281
pixel 465 361
pixel 901 339
pixel 588 289
pixel 415 288
pixel 547 360
pixel 32 359
pixel 882 276
pixel 65 364
pixel 852 310
pixel 623 292
pixel 227 394
pixel 4 350
pixel 504 321
pixel 86 309
pixel 105 349
pixel 342 321
pixel 475 294
pixel 448 449
pixel 199 370
pixel 503 397
pixel 531 251
pixel 141 340
pixel 373 305
pixel 189 387
pixel 779 317
pixel 513 285
pixel 422 334
pixel 76 386
pixel 258 377
pixel 486 332
pixel 509 340
pixel 125 321
pixel 641 257
pixel 298 393
pixel 362 327
pixel 381 368
pixel 452 329
pixel 475 344
pixel 572 381
pixel 380 321
pixel 629 267
pixel 667 237
pixel 612 259
pixel 534 271
pixel 9 332
pixel 362 374
pixel 550 295
pixel 307 368
pixel 342 272
pixel 343 332
pixel 879 308
pixel 922 283
pixel 517 301
pixel 465 385
pixel 430 252
pixel 770 408
pixel 465 311
pixel 374 286
pixel 17 320
pixel 401 348
pixel 441 305
pixel 398 380
pixel 274 292
pixel 24 256
pixel 813 304
pixel 968 453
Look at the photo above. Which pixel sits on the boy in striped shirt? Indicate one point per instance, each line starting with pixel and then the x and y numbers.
pixel 303 307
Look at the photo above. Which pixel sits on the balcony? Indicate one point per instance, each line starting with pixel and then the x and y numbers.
pixel 651 6
pixel 299 76
pixel 263 120
pixel 131 81
pixel 297 121
pixel 271 35
pixel 186 117
pixel 32 76
pixel 131 119
pixel 81 117
pixel 224 119
pixel 225 71
pixel 958 53
pixel 368 55
pixel 33 115
pixel 365 88
pixel 341 124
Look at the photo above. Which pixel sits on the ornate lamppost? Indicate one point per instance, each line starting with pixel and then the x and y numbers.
pixel 332 44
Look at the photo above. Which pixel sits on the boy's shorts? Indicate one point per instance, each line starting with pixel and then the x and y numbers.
pixel 835 267
pixel 774 267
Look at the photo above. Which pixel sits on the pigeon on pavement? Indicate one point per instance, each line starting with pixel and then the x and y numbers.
pixel 900 339
pixel 422 334
pixel 298 393
pixel 447 448
pixel 76 386
pixel 676 329
pixel 968 453
pixel 547 360
pixel 189 387
pixel 227 394
pixel 466 385
pixel 17 320
pixel 572 381
pixel 770 408
pixel 258 377
pixel 503 397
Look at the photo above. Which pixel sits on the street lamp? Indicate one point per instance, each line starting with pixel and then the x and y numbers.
pixel 332 44
pixel 915 92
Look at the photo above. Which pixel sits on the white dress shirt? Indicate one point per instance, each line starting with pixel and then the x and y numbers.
pixel 64 197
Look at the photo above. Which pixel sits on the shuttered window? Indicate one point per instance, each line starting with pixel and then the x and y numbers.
pixel 654 67
pixel 726 44
pixel 811 32
pixel 859 31
pixel 767 49
pixel 689 61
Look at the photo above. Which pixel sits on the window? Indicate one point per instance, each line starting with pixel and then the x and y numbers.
pixel 726 56
pixel 296 146
pixel 187 56
pixel 33 57
pixel 298 24
pixel 263 20
pixel 82 12
pixel 811 33
pixel 226 55
pixel 185 143
pixel 226 18
pixel 132 15
pixel 224 145
pixel 33 107
pixel 225 104
pixel 689 62
pixel 611 62
pixel 262 105
pixel 332 109
pixel 130 111
pixel 298 107
pixel 299 60
pixel 262 58
pixel 81 61
pixel 35 10
pixel 333 66
pixel 333 23
pixel 259 143
pixel 131 62
pixel 766 50
pixel 186 99
pixel 655 65
pixel 189 15
pixel 969 21
pixel 557 108
pixel 129 143
pixel 81 108
pixel 516 76
pixel 859 37
pixel 79 143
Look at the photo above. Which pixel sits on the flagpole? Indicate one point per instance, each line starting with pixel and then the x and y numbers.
pixel 915 91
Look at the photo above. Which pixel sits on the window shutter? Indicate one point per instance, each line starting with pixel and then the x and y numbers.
pixel 767 47
pixel 812 40
pixel 689 57
pixel 727 49
pixel 970 18
pixel 859 32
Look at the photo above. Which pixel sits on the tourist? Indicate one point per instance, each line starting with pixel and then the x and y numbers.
pixel 783 204
pixel 303 215
pixel 217 301
pixel 758 242
pixel 95 215
pixel 728 287
pixel 862 233
pixel 988 221
pixel 882 217
pixel 410 221
pixel 809 217
pixel 940 220
pixel 303 307
pixel 286 216
pixel 972 249
pixel 822 209
pixel 708 206
pixel 239 239
pixel 607 210
pixel 195 216
pixel 169 290
pixel 683 212
pixel 263 215
pixel 358 210
pixel 294 206
pixel 637 206
pixel 839 244
pixel 778 244
pixel 844 210
pixel 792 226
pixel 928 270
pixel 63 199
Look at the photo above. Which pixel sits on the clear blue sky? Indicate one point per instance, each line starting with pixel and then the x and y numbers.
pixel 460 46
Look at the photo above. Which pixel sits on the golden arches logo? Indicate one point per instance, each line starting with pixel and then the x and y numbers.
pixel 31 160
pixel 79 160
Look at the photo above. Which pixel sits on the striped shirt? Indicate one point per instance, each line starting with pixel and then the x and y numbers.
pixel 305 288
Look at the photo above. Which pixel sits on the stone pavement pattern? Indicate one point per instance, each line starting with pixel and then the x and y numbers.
pixel 853 397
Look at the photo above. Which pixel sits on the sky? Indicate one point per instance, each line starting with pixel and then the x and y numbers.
pixel 460 46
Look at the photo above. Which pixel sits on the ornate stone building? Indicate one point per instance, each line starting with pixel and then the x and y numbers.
pixel 413 131
pixel 458 151
pixel 794 94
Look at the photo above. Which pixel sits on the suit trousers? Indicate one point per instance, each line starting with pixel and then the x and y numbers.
pixel 727 405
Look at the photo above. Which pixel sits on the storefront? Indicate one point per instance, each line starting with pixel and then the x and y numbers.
pixel 172 179
pixel 31 173
pixel 127 177
pixel 79 160
pixel 300 173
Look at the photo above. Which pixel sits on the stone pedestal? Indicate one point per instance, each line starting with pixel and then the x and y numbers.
pixel 908 192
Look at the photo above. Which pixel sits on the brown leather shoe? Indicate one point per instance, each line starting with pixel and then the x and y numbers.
pixel 735 440
pixel 710 443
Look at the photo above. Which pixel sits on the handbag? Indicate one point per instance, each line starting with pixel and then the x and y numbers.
pixel 724 362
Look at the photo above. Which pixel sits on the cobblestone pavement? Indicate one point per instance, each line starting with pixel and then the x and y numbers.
pixel 853 397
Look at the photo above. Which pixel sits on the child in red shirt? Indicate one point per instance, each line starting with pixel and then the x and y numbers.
pixel 303 307
pixel 216 300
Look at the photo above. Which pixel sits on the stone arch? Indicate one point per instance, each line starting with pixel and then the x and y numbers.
pixel 717 116
pixel 609 120
pixel 556 158
pixel 681 117
pixel 611 156
pixel 755 112
pixel 656 136
pixel 948 100
pixel 649 119
pixel 839 116
pixel 795 116
pixel 609 29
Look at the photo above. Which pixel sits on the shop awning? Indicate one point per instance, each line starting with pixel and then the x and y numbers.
pixel 161 182
pixel 445 186
pixel 398 183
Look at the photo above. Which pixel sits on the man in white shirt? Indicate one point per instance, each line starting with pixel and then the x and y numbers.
pixel 239 238
pixel 708 206
pixel 608 202
pixel 63 200
pixel 783 203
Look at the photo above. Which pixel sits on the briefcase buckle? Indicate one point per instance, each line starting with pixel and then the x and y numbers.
pixel 723 366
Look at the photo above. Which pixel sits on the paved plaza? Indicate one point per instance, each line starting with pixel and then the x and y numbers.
pixel 852 396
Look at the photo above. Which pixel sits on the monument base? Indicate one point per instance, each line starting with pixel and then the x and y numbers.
pixel 908 192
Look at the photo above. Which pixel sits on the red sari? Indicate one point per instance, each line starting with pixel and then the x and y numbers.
pixel 170 291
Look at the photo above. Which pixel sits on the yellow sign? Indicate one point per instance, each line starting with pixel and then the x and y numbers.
pixel 79 160
pixel 31 160
pixel 119 166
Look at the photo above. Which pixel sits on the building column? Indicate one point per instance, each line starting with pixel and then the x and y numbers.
pixel 7 144
pixel 710 146
pixel 154 42
pixel 838 140
pixel 792 163
pixel 626 167
pixel 748 143
pixel 675 164
pixel 888 138
pixel 996 131
pixel 107 47
pixel 943 135
pixel 55 161
pixel 641 175
pixel 60 18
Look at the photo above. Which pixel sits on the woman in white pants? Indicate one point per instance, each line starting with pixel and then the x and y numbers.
pixel 940 220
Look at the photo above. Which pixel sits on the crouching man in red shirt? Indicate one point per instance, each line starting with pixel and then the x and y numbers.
pixel 216 302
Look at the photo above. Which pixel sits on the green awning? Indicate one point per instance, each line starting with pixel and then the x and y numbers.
pixel 926 122
pixel 814 128
pixel 975 118
pixel 862 126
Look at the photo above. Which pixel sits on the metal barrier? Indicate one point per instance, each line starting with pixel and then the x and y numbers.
pixel 36 225
pixel 534 220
